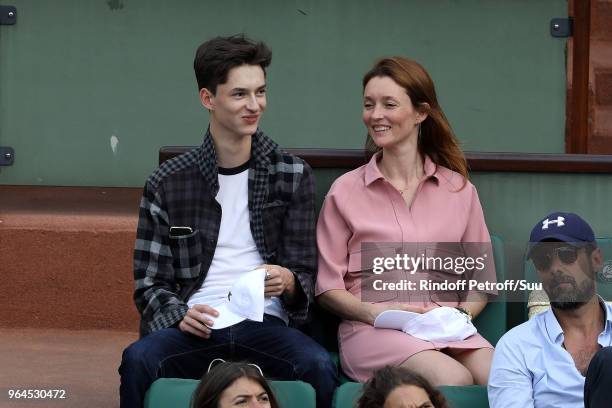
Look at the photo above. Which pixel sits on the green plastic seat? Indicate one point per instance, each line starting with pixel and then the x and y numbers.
pixel 347 395
pixel 176 393
pixel 471 396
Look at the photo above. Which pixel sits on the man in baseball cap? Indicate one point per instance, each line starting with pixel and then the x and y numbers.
pixel 562 236
pixel 543 362
pixel 562 227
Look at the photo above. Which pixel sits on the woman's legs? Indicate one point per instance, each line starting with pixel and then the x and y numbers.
pixel 439 368
pixel 458 367
pixel 477 361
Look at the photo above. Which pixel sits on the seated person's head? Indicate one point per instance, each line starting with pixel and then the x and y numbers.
pixel 231 76
pixel 398 387
pixel 233 385
pixel 566 257
pixel 216 57
pixel 397 84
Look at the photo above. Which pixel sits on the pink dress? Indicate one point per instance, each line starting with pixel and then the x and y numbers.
pixel 362 206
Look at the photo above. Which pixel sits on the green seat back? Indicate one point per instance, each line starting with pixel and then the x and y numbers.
pixel 347 395
pixel 471 396
pixel 176 393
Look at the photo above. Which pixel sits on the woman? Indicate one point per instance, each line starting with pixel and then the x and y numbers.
pixel 396 387
pixel 414 189
pixel 233 385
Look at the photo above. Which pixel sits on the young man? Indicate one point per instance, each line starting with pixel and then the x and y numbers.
pixel 209 217
pixel 543 362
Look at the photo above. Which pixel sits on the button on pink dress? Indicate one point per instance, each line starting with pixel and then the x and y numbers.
pixel 362 206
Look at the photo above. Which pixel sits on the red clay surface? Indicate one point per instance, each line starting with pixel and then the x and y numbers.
pixel 67 279
pixel 66 269
pixel 66 257
pixel 83 363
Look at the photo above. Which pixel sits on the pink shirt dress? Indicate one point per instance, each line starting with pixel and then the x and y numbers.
pixel 362 206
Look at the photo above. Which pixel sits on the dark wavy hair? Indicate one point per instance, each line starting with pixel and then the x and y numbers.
pixel 218 379
pixel 385 380
pixel 217 56
pixel 437 138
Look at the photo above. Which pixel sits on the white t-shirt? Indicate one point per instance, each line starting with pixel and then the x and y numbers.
pixel 236 252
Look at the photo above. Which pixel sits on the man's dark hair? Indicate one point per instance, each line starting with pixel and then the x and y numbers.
pixel 217 56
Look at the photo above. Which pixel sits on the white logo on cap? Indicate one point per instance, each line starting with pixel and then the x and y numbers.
pixel 559 222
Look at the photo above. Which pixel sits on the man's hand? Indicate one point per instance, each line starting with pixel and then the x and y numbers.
pixel 197 321
pixel 279 281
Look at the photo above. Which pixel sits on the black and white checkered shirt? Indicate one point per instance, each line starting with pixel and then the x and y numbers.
pixel 181 192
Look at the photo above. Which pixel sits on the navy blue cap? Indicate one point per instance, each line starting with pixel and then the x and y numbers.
pixel 564 227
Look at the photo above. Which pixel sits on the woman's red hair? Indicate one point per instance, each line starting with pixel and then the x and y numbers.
pixel 437 139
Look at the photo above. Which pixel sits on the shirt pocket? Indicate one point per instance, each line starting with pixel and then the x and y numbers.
pixel 446 264
pixel 365 277
pixel 186 255
pixel 273 215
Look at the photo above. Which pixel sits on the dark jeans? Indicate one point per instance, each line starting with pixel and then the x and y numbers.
pixel 598 382
pixel 283 353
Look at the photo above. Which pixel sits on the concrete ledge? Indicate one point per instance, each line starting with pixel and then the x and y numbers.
pixel 66 257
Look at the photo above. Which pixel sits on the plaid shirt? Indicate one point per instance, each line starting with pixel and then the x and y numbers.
pixel 181 192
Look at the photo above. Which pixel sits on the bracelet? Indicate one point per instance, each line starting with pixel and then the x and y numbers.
pixel 465 312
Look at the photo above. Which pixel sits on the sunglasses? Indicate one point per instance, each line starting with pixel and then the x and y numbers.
pixel 218 361
pixel 543 257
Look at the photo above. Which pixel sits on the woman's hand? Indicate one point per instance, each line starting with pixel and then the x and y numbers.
pixel 376 309
pixel 349 307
